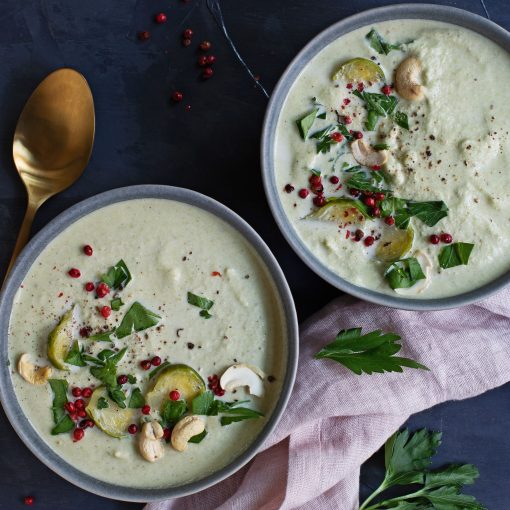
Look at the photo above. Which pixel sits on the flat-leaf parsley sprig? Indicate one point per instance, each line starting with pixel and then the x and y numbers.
pixel 369 353
pixel 407 459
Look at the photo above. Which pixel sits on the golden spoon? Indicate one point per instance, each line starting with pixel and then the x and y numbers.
pixel 53 141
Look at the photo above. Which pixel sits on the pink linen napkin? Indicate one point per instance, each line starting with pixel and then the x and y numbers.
pixel 336 420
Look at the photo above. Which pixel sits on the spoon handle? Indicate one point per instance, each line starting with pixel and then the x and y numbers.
pixel 24 233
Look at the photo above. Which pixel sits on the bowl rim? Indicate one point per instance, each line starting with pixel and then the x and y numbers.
pixel 8 398
pixel 452 15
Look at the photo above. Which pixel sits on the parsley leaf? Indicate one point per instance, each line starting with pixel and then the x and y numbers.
pixel 456 254
pixel 428 212
pixel 404 273
pixel 206 404
pixel 102 337
pixel 407 461
pixel 63 422
pixel 201 302
pixel 137 318
pixel 373 181
pixel 107 374
pixel 102 403
pixel 202 404
pixel 116 303
pixel 401 120
pixel 172 411
pixel 118 276
pixel 74 356
pixel 137 400
pixel 369 353
pixel 236 414
pixel 378 105
pixel 198 438
pixel 377 42
pixel 305 123
pixel 381 146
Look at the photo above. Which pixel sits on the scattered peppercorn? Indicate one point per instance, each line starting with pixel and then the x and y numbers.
pixel 156 361
pixel 146 409
pixel 74 273
pixel 177 96
pixel 106 311
pixel 446 238
pixel 87 249
pixel 303 193
pixel 205 45
pixel 207 73
pixel 289 188
pixel 334 179
pixel 144 35
pixel 133 428
pixel 369 240
pixel 389 220
pixel 145 364
pixel 78 434
pixel 160 18
pixel 174 395
pixel 434 239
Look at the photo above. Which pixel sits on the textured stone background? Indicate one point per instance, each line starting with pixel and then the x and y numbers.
pixel 214 148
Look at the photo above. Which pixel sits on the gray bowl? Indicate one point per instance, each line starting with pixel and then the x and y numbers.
pixel 403 11
pixel 8 398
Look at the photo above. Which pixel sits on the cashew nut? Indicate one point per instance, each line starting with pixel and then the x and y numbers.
pixel 149 442
pixel 407 81
pixel 241 374
pixel 366 155
pixel 32 373
pixel 184 430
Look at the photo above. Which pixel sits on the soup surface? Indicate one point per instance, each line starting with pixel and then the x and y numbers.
pixel 199 295
pixel 434 165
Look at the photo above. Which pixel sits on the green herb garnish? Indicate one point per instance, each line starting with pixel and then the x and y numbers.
pixel 456 254
pixel 203 303
pixel 373 181
pixel 369 353
pixel 305 123
pixel 63 422
pixel 236 414
pixel 381 146
pixel 137 400
pixel 428 212
pixel 137 318
pixel 118 276
pixel 74 356
pixel 377 42
pixel 401 120
pixel 206 404
pixel 404 273
pixel 131 379
pixel 102 337
pixel 102 403
pixel 381 105
pixel 106 372
pixel 407 459
pixel 198 438
pixel 403 210
pixel 172 411
pixel 116 303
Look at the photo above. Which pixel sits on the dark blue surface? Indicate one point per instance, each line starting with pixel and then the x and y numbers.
pixel 213 148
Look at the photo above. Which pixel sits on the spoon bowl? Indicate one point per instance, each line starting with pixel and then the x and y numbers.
pixel 53 141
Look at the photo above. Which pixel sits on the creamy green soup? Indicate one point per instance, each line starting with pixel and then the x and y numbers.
pixel 455 151
pixel 171 249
